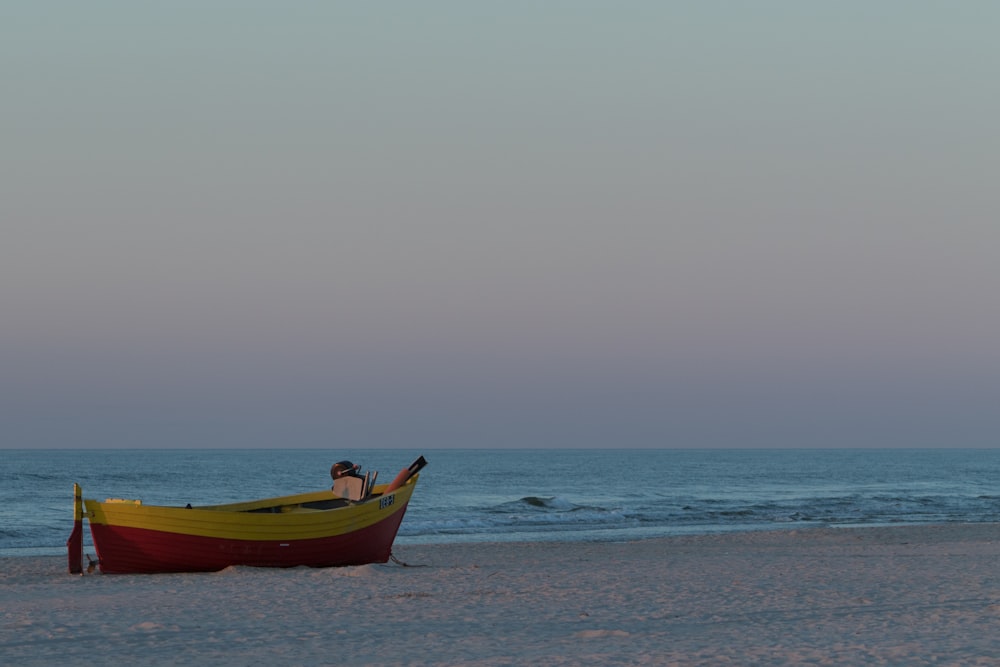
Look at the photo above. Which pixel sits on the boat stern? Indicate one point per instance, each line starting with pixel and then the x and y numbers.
pixel 74 545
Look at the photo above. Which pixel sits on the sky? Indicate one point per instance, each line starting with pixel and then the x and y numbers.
pixel 499 224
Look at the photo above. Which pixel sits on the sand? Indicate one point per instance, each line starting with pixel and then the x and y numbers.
pixel 927 595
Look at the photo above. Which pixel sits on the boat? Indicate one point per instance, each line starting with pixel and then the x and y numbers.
pixel 351 524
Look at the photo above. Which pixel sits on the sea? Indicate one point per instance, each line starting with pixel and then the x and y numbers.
pixel 572 495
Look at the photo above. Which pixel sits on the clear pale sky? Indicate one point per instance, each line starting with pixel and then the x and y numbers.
pixel 500 224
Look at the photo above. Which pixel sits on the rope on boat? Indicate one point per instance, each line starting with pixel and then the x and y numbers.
pixel 395 560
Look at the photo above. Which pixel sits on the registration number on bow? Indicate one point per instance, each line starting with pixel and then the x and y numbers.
pixel 386 501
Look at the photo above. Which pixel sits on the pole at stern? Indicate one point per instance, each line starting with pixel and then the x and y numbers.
pixel 74 545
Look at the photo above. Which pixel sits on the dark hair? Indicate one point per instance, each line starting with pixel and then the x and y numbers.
pixel 346 466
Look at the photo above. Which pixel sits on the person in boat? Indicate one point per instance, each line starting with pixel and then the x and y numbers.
pixel 348 482
pixel 344 469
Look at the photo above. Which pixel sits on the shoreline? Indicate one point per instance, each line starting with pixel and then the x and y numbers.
pixel 915 594
pixel 60 551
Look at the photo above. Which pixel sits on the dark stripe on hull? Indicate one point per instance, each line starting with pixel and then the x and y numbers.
pixel 143 551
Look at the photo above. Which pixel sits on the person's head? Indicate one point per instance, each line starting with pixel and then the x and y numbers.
pixel 342 469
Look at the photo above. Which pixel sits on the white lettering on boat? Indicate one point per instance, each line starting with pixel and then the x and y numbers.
pixel 385 501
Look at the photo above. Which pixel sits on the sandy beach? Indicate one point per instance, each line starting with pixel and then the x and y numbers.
pixel 895 596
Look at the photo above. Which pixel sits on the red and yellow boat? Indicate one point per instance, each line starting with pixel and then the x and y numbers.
pixel 317 529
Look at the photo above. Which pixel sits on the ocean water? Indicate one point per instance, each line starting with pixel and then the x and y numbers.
pixel 521 495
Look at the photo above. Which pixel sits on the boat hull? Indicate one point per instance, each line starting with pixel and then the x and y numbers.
pixel 131 538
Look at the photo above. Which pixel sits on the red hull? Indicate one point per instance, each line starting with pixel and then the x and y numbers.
pixel 74 547
pixel 143 551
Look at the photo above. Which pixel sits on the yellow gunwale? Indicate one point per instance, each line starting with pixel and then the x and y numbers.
pixel 235 520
